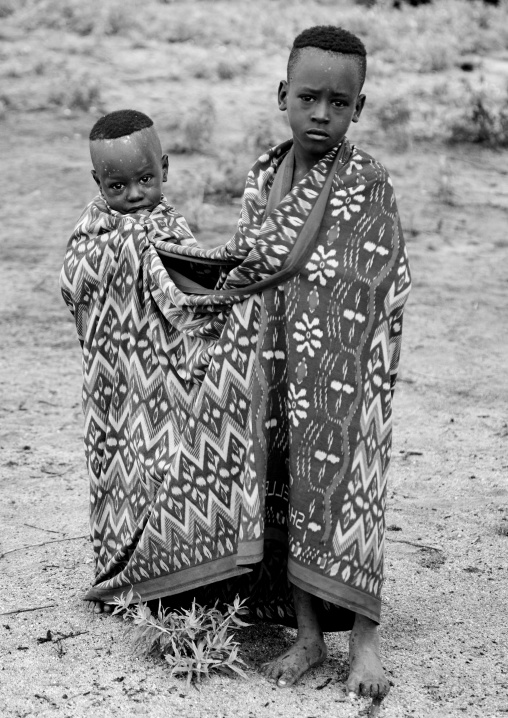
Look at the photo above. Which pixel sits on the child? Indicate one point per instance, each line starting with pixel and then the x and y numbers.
pixel 129 169
pixel 242 431
pixel 322 96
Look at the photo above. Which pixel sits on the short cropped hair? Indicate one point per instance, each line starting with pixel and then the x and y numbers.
pixel 119 124
pixel 330 39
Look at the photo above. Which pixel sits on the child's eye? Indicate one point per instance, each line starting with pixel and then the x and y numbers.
pixel 145 179
pixel 339 103
pixel 117 187
pixel 306 98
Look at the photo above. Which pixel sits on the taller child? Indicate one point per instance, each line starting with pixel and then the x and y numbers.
pixel 244 420
pixel 322 96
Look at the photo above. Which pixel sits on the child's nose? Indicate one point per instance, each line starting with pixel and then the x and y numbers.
pixel 134 192
pixel 320 111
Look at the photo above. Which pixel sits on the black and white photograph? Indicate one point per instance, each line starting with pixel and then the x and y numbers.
pixel 253 359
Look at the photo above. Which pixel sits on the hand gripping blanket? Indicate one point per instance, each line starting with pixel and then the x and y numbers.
pixel 237 400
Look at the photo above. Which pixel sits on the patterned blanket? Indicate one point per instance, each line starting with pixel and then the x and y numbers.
pixel 238 400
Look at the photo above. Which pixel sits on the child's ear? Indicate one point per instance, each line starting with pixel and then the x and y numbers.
pixel 164 168
pixel 96 178
pixel 282 95
pixel 360 102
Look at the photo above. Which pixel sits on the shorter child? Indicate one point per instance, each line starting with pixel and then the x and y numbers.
pixel 129 166
pixel 130 212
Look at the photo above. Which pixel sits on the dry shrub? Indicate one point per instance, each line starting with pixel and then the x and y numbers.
pixel 4 106
pixel 197 213
pixel 193 130
pixel 435 55
pixel 117 18
pixel 222 65
pixel 265 131
pixel 181 23
pixel 228 177
pixel 232 66
pixel 187 193
pixel 483 119
pixel 79 92
pixel 80 18
pixel 69 15
pixel 422 53
pixel 393 114
pixel 181 30
pixel 38 64
pixel 7 7
pixel 420 39
pixel 52 87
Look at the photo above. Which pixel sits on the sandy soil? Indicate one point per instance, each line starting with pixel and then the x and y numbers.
pixel 445 597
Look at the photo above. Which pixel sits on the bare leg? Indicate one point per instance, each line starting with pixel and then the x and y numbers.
pixel 309 649
pixel 366 674
pixel 98 607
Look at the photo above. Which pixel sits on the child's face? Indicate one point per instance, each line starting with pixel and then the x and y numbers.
pixel 130 171
pixel 322 99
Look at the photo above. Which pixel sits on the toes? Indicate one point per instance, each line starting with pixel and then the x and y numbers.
pixel 353 686
pixel 265 670
pixel 288 668
pixel 289 678
pixel 269 670
pixel 357 688
pixel 379 691
pixel 273 669
pixel 98 607
pixel 365 690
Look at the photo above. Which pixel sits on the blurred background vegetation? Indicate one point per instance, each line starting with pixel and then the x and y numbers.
pixel 207 72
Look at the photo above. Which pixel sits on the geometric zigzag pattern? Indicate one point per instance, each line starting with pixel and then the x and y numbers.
pixel 212 419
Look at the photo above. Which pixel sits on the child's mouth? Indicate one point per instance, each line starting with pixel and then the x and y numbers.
pixel 317 135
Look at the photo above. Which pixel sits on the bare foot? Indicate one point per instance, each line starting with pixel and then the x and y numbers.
pixel 98 607
pixel 288 668
pixel 309 649
pixel 366 674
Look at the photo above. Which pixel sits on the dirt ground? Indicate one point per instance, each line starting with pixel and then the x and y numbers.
pixel 444 626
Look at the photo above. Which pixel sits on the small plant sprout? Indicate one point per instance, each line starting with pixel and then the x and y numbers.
pixel 195 642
